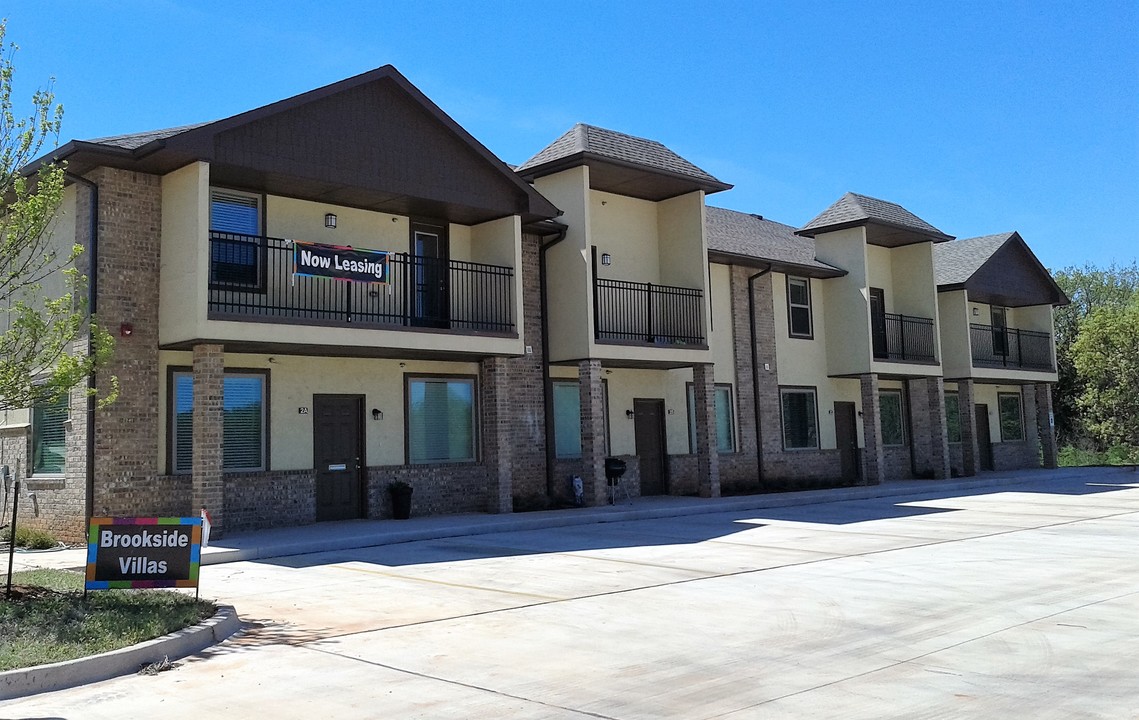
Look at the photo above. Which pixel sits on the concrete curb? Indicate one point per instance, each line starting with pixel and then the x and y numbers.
pixel 125 661
pixel 485 525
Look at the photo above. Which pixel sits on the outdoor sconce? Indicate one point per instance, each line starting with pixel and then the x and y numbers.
pixel 377 414
pixel 976 312
pixel 860 413
pixel 606 259
pixel 629 414
pixel 330 221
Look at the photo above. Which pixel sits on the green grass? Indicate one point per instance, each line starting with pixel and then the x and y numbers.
pixel 49 621
pixel 1071 456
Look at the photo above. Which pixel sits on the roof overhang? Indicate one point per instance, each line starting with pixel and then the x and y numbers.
pixel 790 268
pixel 626 178
pixel 880 233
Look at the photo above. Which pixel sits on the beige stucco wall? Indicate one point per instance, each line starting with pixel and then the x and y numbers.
pixel 914 286
pixel 293 380
pixel 845 301
pixel 987 395
pixel 626 228
pixel 185 259
pixel 304 220
pixel 625 385
pixel 954 318
pixel 721 339
pixel 683 249
pixel 570 302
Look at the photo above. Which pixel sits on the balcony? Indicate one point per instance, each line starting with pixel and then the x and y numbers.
pixel 639 313
pixel 998 347
pixel 904 338
pixel 251 279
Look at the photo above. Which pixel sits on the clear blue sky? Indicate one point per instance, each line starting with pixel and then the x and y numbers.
pixel 979 117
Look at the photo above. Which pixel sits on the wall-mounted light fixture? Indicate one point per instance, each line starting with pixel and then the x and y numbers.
pixel 629 414
pixel 976 312
pixel 330 221
pixel 377 414
pixel 606 259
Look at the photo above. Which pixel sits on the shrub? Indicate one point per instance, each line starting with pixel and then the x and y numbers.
pixel 32 538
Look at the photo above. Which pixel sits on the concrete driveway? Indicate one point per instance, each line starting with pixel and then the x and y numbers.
pixel 1011 602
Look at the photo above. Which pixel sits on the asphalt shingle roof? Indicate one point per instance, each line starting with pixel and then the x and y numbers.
pixel 955 262
pixel 739 233
pixel 133 141
pixel 853 208
pixel 582 138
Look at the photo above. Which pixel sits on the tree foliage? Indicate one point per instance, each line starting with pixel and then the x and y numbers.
pixel 40 358
pixel 1106 359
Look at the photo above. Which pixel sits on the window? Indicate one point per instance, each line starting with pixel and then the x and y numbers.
pixel 49 437
pixel 1012 428
pixel 891 411
pixel 567 417
pixel 725 439
pixel 953 416
pixel 800 418
pixel 799 307
pixel 440 419
pixel 235 243
pixel 244 423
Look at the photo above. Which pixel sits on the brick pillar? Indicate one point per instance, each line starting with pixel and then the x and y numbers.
pixel 741 346
pixel 496 418
pixel 1029 420
pixel 920 433
pixel 592 432
pixel 966 399
pixel 207 486
pixel 872 459
pixel 938 430
pixel 707 451
pixel 1046 423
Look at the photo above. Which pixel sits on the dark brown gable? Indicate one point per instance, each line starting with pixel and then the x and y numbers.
pixel 1013 277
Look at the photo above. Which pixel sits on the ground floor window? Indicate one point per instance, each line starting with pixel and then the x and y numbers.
pixel 244 421
pixel 440 419
pixel 953 417
pixel 1012 425
pixel 800 418
pixel 49 437
pixel 567 417
pixel 725 438
pixel 891 411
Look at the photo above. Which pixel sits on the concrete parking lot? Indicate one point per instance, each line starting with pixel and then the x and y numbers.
pixel 1007 602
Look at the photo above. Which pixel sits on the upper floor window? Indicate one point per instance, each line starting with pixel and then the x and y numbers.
pixel 49 437
pixel 1012 424
pixel 235 238
pixel 799 307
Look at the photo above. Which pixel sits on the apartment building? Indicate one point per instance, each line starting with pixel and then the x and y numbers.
pixel 343 289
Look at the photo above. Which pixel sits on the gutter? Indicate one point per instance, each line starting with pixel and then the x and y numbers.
pixel 755 372
pixel 92 302
pixel 547 386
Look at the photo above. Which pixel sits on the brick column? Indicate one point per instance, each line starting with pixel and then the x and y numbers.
pixel 592 432
pixel 208 485
pixel 496 417
pixel 1046 423
pixel 1030 420
pixel 970 451
pixel 938 430
pixel 871 430
pixel 920 433
pixel 707 451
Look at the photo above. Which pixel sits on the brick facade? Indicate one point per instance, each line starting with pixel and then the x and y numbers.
pixel 872 455
pixel 1045 424
pixel 208 487
pixel 970 451
pixel 707 458
pixel 497 441
pixel 592 431
pixel 525 384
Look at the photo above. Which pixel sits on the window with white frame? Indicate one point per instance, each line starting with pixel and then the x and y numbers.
pixel 799 320
pixel 891 410
pixel 49 437
pixel 953 417
pixel 1012 423
pixel 244 421
pixel 725 436
pixel 440 419
pixel 235 238
pixel 800 418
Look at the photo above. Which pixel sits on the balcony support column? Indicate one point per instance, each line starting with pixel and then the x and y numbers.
pixel 592 394
pixel 207 490
pixel 1029 415
pixel 872 455
pixel 494 384
pixel 966 403
pixel 707 449
pixel 1046 423
pixel 938 430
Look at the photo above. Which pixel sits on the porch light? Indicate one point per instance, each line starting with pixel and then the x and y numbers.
pixel 629 414
pixel 330 221
pixel 377 414
pixel 606 259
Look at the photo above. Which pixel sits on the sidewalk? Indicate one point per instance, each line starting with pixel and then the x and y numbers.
pixel 345 535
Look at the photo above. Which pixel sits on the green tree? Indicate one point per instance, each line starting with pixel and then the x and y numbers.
pixel 1106 358
pixel 40 358
pixel 1090 289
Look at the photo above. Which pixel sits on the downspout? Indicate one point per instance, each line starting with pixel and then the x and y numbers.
pixel 755 372
pixel 547 386
pixel 92 301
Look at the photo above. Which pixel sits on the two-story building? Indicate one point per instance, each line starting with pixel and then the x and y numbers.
pixel 343 289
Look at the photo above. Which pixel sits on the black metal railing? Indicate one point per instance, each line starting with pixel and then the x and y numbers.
pixel 251 278
pixel 647 313
pixel 1010 347
pixel 903 337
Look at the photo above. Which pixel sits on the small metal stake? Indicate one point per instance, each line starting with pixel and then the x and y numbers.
pixel 12 538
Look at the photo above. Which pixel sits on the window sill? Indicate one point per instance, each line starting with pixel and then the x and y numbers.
pixel 46 482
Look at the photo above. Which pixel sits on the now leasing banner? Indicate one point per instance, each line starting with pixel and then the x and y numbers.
pixel 340 262
pixel 143 552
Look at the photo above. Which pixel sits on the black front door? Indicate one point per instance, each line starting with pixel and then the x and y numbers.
pixel 878 322
pixel 338 455
pixel 846 439
pixel 984 440
pixel 430 276
pixel 648 431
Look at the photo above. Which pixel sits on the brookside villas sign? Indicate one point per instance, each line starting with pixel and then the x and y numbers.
pixel 340 263
pixel 143 552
